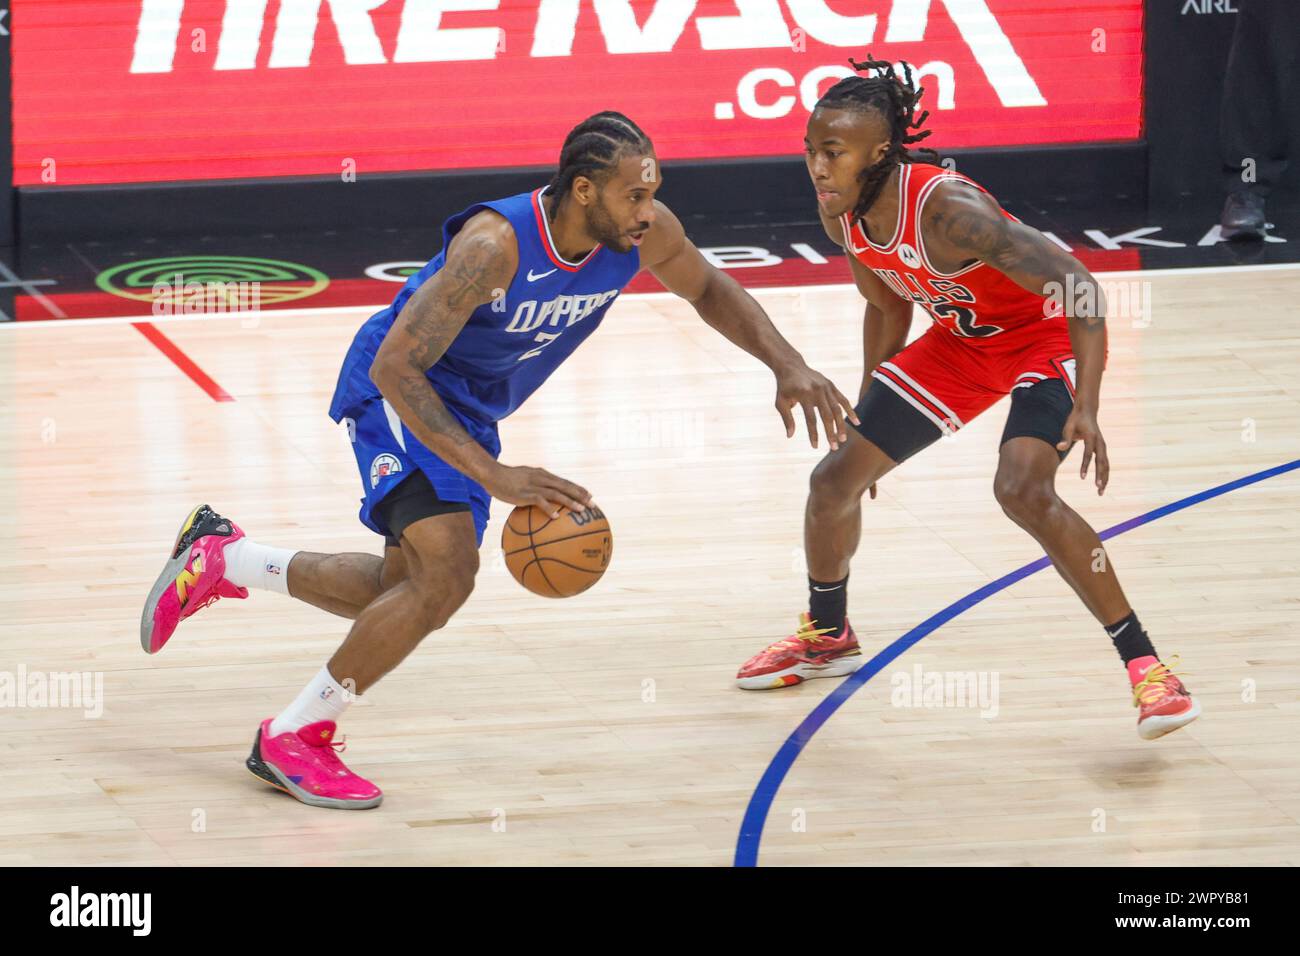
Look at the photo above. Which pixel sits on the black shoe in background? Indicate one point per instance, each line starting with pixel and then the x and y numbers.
pixel 1243 216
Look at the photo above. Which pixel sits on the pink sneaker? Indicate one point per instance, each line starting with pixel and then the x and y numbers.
pixel 304 765
pixel 192 578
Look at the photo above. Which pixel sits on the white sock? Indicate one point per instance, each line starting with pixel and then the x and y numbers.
pixel 322 699
pixel 253 565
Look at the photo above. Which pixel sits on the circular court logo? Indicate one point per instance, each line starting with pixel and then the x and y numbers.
pixel 276 281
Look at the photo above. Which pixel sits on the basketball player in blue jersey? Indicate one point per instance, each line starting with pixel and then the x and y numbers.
pixel 519 284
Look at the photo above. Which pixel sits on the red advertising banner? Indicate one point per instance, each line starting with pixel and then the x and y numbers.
pixel 118 91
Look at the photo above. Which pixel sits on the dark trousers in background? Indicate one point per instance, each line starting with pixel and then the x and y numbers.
pixel 1260 116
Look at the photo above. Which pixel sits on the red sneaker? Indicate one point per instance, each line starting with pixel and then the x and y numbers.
pixel 304 765
pixel 1163 703
pixel 807 653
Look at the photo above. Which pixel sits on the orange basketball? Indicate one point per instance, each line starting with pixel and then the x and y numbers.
pixel 557 557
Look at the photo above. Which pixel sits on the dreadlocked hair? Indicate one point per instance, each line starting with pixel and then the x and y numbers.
pixel 893 97
pixel 593 149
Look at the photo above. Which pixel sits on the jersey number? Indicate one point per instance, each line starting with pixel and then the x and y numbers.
pixel 546 338
pixel 963 320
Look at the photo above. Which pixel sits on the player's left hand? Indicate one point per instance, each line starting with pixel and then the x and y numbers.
pixel 818 395
pixel 1082 426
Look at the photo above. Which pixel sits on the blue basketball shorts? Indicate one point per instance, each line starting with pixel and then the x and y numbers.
pixel 387 452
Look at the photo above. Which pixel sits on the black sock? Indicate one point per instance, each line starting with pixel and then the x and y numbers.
pixel 1129 638
pixel 827 602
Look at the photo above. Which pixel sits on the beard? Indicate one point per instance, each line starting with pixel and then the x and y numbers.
pixel 602 227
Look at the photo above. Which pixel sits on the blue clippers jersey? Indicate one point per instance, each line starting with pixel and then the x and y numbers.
pixel 508 347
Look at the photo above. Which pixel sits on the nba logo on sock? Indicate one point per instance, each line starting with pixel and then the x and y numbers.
pixel 382 467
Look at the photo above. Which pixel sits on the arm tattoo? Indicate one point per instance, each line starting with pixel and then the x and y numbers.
pixel 428 407
pixel 473 271
pixel 471 278
pixel 984 233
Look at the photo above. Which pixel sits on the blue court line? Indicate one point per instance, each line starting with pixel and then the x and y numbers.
pixel 751 828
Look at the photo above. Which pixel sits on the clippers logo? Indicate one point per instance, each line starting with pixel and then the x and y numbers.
pixel 569 309
pixel 187 578
pixel 383 466
pixel 531 315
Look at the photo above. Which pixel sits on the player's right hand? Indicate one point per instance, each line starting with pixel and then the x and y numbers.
pixel 522 485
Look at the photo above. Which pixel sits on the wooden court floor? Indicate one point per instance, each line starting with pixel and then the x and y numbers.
pixel 606 729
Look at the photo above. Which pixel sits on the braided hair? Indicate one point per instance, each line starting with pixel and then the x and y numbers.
pixel 593 149
pixel 895 99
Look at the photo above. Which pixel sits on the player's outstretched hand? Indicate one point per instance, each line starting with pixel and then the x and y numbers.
pixel 818 396
pixel 521 485
pixel 1082 426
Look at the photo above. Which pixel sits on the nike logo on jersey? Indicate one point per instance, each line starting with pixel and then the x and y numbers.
pixel 534 278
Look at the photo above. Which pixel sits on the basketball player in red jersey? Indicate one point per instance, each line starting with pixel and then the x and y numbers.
pixel 996 290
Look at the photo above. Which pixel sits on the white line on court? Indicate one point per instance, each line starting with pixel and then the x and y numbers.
pixel 642 296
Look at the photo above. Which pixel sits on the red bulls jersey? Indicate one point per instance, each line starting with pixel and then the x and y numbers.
pixel 975 302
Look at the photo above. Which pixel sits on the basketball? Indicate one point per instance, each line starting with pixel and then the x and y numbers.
pixel 557 557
